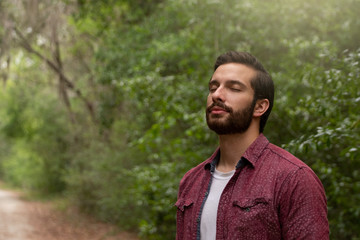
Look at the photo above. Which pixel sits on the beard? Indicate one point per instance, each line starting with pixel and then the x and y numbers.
pixel 236 121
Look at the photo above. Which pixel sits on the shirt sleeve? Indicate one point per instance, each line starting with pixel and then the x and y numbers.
pixel 302 207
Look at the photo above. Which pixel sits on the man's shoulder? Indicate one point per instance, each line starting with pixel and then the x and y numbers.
pixel 289 169
pixel 261 151
pixel 195 171
pixel 190 184
pixel 284 158
pixel 201 166
pixel 192 177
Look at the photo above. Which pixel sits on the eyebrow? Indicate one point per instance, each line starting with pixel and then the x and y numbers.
pixel 213 82
pixel 231 82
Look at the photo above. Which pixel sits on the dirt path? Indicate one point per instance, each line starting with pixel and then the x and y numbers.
pixel 27 220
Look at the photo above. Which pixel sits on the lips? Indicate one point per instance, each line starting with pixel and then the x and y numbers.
pixel 217 110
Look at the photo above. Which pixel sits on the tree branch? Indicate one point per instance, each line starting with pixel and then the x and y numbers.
pixel 53 66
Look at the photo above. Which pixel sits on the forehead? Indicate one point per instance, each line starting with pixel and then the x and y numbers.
pixel 234 71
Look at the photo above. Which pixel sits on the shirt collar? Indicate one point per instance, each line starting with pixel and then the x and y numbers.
pixel 251 154
pixel 212 161
pixel 254 151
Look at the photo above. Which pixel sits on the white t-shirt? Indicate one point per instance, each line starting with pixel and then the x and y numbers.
pixel 209 213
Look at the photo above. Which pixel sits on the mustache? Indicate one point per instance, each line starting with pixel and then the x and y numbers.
pixel 221 105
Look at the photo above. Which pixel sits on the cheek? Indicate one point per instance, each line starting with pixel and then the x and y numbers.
pixel 209 100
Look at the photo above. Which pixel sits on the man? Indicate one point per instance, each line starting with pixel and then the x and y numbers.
pixel 249 188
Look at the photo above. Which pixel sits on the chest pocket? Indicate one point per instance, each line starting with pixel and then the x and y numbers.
pixel 184 219
pixel 184 204
pixel 253 217
pixel 252 209
pixel 248 204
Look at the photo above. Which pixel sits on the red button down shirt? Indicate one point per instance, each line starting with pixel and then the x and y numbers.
pixel 272 195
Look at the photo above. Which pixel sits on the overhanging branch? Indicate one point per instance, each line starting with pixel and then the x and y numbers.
pixel 58 71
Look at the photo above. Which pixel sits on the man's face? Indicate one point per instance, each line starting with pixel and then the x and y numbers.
pixel 230 103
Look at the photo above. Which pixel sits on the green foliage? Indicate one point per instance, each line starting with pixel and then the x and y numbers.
pixel 38 139
pixel 330 141
pixel 154 190
pixel 22 167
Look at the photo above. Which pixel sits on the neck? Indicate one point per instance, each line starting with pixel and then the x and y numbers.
pixel 233 146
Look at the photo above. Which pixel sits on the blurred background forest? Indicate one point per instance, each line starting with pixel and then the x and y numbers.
pixel 102 102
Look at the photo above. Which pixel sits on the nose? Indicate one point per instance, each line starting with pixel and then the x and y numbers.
pixel 218 95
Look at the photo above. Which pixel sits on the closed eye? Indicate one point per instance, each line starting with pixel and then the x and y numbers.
pixel 235 89
pixel 213 85
pixel 235 85
pixel 212 89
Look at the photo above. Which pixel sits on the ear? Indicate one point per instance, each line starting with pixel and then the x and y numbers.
pixel 261 106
